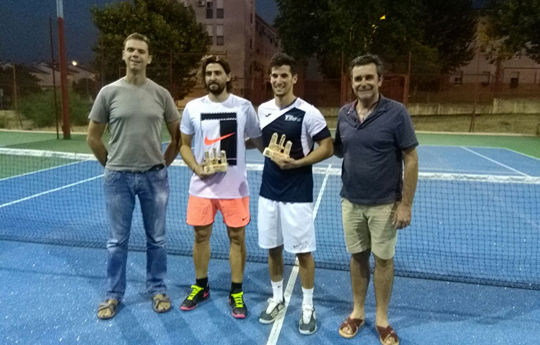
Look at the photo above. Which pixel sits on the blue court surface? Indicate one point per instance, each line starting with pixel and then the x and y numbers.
pixel 468 268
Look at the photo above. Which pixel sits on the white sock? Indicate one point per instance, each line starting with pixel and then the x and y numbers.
pixel 308 297
pixel 277 288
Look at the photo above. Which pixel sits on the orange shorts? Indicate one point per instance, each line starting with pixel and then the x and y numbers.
pixel 202 211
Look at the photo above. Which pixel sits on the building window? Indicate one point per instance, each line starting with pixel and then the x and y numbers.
pixel 514 80
pixel 210 32
pixel 219 35
pixel 219 11
pixel 458 79
pixel 209 10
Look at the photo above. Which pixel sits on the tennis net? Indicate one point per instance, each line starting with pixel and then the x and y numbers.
pixel 467 228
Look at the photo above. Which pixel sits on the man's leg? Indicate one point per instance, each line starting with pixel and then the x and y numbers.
pixel 357 238
pixel 383 280
pixel 308 321
pixel 237 260
pixel 200 214
pixel 201 258
pixel 275 268
pixel 153 192
pixel 383 245
pixel 237 253
pixel 359 267
pixel 201 250
pixel 120 202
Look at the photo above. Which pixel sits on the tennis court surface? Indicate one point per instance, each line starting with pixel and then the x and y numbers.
pixel 475 220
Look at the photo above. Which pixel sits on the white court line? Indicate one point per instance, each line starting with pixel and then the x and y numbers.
pixel 494 161
pixel 42 170
pixel 521 153
pixel 278 323
pixel 50 191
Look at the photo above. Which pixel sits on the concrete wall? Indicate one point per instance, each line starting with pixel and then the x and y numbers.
pixel 499 106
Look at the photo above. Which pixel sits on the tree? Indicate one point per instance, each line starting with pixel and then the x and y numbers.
pixel 514 28
pixel 178 42
pixel 343 29
pixel 26 83
pixel 450 28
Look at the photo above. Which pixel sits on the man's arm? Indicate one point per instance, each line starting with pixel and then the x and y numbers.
pixel 172 149
pixel 255 143
pixel 403 215
pixel 95 132
pixel 325 150
pixel 189 158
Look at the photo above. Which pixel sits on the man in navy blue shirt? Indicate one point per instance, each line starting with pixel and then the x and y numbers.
pixel 374 136
pixel 285 216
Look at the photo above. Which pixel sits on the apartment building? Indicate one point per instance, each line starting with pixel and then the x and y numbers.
pixel 243 38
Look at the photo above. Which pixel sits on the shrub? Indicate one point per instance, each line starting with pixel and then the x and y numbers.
pixel 39 107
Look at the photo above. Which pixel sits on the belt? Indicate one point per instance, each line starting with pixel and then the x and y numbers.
pixel 157 167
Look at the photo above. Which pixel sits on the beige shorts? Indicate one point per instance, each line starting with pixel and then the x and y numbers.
pixel 369 227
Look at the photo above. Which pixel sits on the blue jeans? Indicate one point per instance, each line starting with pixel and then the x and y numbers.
pixel 152 188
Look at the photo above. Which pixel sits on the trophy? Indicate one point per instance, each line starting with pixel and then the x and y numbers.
pixel 275 150
pixel 214 163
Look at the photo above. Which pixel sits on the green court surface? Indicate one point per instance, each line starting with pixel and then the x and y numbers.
pixel 77 144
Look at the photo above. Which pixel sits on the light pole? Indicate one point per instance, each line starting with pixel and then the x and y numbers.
pixel 15 99
pixel 66 126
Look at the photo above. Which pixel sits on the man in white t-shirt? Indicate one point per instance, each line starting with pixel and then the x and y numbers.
pixel 220 121
pixel 285 216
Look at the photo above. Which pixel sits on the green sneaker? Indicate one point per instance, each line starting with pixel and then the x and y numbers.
pixel 198 294
pixel 239 308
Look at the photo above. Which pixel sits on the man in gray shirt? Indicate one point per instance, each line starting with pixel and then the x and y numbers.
pixel 135 109
pixel 374 136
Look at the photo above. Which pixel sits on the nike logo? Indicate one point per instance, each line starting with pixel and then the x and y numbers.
pixel 213 141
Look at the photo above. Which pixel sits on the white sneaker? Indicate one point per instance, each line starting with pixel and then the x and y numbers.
pixel 308 320
pixel 272 310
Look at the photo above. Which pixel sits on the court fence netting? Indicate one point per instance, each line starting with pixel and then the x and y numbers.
pixel 478 229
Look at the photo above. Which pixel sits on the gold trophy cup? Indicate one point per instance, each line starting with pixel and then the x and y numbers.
pixel 214 163
pixel 279 151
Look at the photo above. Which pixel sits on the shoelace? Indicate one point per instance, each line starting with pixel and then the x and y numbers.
pixel 195 291
pixel 306 313
pixel 238 300
pixel 272 304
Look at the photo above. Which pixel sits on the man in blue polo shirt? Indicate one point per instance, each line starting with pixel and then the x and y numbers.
pixel 374 136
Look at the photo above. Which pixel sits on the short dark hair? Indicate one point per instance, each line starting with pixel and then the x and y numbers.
pixel 366 60
pixel 282 59
pixel 139 37
pixel 208 59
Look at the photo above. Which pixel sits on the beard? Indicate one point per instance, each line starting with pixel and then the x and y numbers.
pixel 215 90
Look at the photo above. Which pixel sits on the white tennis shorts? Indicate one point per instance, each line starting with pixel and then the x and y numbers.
pixel 286 223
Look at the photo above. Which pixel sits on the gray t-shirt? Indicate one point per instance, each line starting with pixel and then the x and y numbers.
pixel 135 115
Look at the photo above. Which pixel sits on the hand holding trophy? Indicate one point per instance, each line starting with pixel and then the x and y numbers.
pixel 278 151
pixel 214 163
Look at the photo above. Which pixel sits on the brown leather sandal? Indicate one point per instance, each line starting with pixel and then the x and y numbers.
pixel 353 324
pixel 111 305
pixel 158 299
pixel 387 335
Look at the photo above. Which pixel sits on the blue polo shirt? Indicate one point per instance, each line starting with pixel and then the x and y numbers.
pixel 372 169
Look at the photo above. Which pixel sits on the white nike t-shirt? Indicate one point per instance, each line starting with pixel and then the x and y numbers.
pixel 223 126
